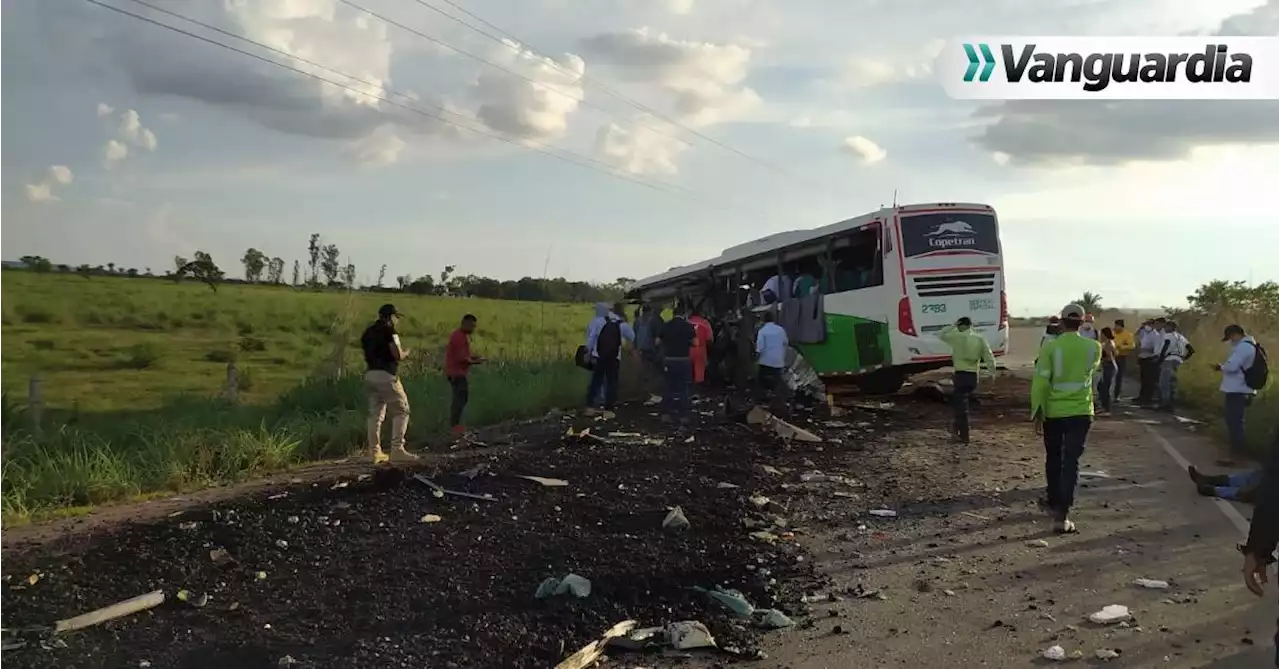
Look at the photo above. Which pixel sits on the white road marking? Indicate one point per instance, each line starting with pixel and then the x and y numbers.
pixel 1227 509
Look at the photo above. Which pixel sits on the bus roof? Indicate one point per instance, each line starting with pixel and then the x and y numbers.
pixel 783 240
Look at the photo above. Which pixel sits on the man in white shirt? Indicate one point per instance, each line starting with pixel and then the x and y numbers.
pixel 1086 329
pixel 775 289
pixel 1236 392
pixel 1174 351
pixel 771 353
pixel 1150 338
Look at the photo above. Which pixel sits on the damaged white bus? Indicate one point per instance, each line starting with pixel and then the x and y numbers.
pixel 874 290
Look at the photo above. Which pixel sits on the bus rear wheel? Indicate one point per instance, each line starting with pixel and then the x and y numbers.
pixel 881 382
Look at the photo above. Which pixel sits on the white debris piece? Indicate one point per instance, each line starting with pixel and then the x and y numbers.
pixel 689 634
pixel 1054 653
pixel 431 518
pixel 1112 613
pixel 1038 543
pixel 1105 654
pixel 1151 584
pixel 884 513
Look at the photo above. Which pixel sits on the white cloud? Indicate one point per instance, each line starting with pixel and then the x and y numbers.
pixel 864 72
pixel 104 109
pixel 41 192
pixel 61 174
pixel 704 79
pixel 113 152
pixel 132 131
pixel 525 110
pixel 379 148
pixel 866 150
pixel 638 149
pixel 678 6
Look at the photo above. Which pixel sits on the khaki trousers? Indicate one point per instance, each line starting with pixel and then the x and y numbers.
pixel 386 395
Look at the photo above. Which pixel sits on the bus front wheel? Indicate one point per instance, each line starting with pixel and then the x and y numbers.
pixel 881 382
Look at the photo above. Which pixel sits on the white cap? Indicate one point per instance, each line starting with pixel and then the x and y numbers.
pixel 1073 311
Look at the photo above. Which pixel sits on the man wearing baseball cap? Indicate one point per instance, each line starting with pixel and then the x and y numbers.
pixel 1236 392
pixel 1062 408
pixel 382 356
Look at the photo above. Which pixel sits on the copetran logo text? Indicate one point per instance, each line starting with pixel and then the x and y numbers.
pixel 1114 68
pixel 952 234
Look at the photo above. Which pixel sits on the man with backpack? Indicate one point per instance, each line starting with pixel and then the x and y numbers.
pixel 1243 374
pixel 605 334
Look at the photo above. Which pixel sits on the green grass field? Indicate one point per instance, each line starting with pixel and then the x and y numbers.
pixel 133 373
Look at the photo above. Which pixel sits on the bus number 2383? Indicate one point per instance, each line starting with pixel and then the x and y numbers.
pixel 933 308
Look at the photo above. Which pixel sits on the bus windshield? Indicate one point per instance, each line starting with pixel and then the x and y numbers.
pixel 949 233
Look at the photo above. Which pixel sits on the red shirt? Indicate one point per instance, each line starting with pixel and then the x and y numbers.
pixel 457 356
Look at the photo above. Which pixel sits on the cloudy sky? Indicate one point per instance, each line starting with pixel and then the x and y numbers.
pixel 617 138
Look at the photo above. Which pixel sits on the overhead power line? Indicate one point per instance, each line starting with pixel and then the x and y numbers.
pixel 596 82
pixel 532 145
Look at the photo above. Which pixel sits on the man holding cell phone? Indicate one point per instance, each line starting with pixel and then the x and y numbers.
pixel 383 353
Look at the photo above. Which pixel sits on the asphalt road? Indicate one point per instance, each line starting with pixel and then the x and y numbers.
pixel 966 583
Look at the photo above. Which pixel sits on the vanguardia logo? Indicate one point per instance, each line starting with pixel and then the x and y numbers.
pixel 1215 64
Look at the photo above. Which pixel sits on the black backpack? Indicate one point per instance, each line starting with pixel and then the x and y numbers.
pixel 609 341
pixel 1255 376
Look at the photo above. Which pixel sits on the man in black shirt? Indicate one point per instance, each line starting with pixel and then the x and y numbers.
pixel 675 339
pixel 382 356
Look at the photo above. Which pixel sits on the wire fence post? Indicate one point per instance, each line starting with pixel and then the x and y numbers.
pixel 35 403
pixel 232 382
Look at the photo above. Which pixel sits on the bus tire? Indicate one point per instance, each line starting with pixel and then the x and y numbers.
pixel 881 382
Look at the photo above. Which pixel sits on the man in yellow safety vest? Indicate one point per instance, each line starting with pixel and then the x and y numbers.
pixel 969 352
pixel 1062 408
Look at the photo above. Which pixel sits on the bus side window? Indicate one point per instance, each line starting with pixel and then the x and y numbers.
pixel 858 265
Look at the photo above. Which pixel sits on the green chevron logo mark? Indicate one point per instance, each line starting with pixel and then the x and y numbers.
pixel 974 61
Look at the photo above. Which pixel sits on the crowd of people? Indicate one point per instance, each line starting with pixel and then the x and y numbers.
pixel 1079 374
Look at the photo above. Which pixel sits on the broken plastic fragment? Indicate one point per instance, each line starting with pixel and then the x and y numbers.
pixel 725 485
pixel 1151 584
pixel 730 599
pixel 1038 543
pixel 572 584
pixel 772 619
pixel 689 634
pixel 767 537
pixel 675 520
pixel 1112 613
pixel 547 482
pixel 431 518
pixel 33 579
pixel 884 513
pixel 261 576
pixel 282 544
pixel 188 525
pixel 1054 653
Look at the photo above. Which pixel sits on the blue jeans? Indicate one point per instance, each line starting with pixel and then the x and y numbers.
pixel 1234 405
pixel 1168 382
pixel 1237 481
pixel 603 389
pixel 678 374
pixel 1064 440
pixel 1105 396
pixel 961 394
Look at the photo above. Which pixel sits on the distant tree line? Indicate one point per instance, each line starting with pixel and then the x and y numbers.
pixel 324 270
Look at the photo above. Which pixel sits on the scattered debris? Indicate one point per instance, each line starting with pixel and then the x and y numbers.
pixel 339 485
pixel 772 619
pixel 293 520
pixel 759 501
pixel 261 576
pixel 624 435
pixel 1038 543
pixel 1151 584
pixel 588 654
pixel 279 495
pixel 546 482
pixel 1112 613
pixel 884 513
pixel 787 431
pixel 106 613
pixel 431 518
pixel 33 579
pixel 472 473
pixel 689 634
pixel 974 515
pixel 770 470
pixel 654 400
pixel 1054 653
pixel 1105 654
pixel 286 661
pixel 675 520
pixel 572 584
pixel 1100 474
pixel 188 525
pixel 640 639
pixel 725 485
pixel 732 600
pixel 767 537
pixel 198 601
pixel 441 492
pixel 282 544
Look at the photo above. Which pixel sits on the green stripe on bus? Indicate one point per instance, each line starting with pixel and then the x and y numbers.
pixel 839 354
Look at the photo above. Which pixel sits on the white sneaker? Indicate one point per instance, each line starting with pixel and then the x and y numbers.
pixel 403 455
